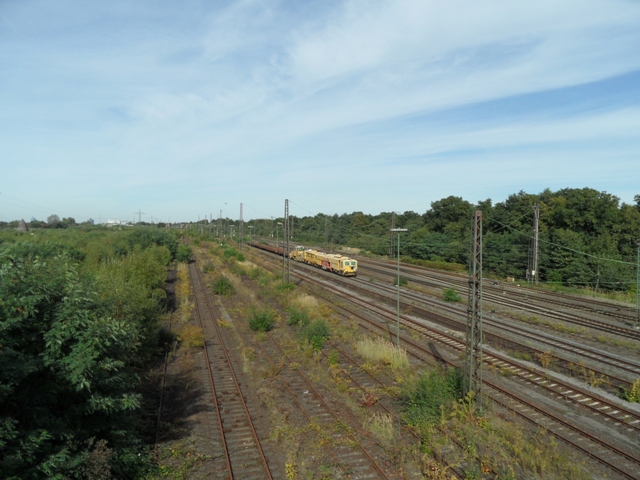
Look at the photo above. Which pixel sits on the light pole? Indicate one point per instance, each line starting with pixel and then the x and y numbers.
pixel 398 230
pixel 250 227
pixel 636 326
pixel 279 223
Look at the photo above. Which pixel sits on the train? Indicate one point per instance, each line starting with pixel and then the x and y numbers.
pixel 332 262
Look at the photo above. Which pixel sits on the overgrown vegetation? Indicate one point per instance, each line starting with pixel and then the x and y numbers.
pixel 223 286
pixel 432 396
pixel 184 254
pixel 403 281
pixel 450 295
pixel 262 320
pixel 383 351
pixel 79 314
pixel 316 333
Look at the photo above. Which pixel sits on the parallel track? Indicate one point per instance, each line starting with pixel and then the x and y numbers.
pixel 242 456
pixel 622 462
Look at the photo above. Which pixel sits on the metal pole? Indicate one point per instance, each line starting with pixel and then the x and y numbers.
pixel 636 326
pixel 398 306
pixel 398 286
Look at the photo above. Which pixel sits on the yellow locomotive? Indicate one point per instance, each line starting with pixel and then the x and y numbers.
pixel 332 262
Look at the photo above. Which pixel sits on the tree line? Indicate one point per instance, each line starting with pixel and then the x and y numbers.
pixel 587 237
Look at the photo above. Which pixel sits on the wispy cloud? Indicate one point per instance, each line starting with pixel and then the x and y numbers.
pixel 217 102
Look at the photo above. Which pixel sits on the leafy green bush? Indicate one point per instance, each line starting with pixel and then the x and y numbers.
pixel 184 254
pixel 223 286
pixel 262 321
pixel 316 333
pixel 422 402
pixel 298 316
pixel 230 252
pixel 450 295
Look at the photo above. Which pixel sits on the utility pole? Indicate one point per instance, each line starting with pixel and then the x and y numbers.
pixel 220 224
pixel 536 222
pixel 398 230
pixel 473 354
pixel 241 229
pixel 637 324
pixel 392 239
pixel 286 259
pixel 139 213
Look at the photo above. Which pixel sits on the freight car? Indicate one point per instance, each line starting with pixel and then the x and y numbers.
pixel 331 262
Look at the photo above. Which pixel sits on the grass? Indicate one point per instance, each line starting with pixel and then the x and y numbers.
pixel 381 426
pixel 191 336
pixel 382 351
pixel 403 281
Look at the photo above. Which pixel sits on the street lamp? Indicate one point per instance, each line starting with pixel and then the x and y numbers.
pixel 398 230
pixel 279 223
pixel 636 326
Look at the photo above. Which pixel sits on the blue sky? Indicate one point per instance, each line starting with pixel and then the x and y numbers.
pixel 187 108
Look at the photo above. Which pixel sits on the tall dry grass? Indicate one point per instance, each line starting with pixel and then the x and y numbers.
pixel 382 351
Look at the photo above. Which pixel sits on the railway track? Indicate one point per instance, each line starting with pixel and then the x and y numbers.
pixel 526 338
pixel 346 448
pixel 512 300
pixel 624 461
pixel 619 312
pixel 240 454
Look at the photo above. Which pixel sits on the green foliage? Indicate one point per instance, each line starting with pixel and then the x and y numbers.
pixel 286 287
pixel 298 316
pixel 403 281
pixel 450 295
pixel 315 333
pixel 230 252
pixel 184 254
pixel 262 321
pixel 435 388
pixel 73 336
pixel 223 286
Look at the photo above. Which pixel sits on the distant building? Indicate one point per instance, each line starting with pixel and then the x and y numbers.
pixel 22 226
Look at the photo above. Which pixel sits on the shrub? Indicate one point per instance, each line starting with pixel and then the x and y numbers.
pixel 434 389
pixel 184 254
pixel 231 252
pixel 223 286
pixel 450 295
pixel 298 316
pixel 316 333
pixel 262 321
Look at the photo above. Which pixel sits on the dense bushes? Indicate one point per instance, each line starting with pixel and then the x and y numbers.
pixel 184 254
pixel 77 322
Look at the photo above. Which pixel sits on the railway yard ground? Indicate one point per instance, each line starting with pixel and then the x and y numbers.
pixel 301 380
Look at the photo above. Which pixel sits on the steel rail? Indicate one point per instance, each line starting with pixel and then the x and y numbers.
pixel 233 374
